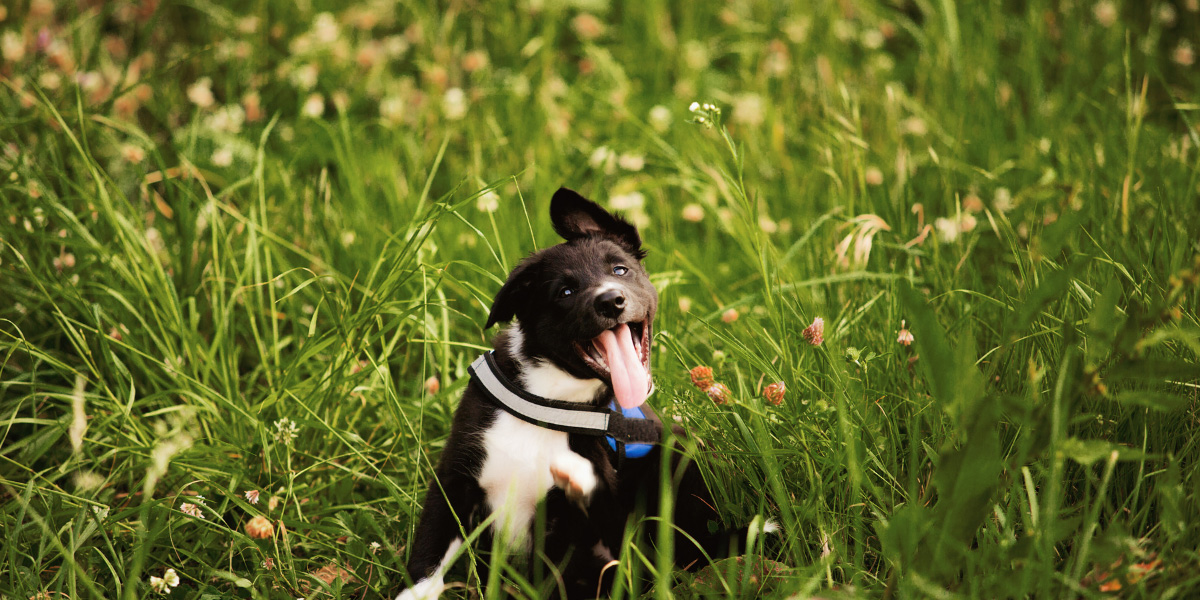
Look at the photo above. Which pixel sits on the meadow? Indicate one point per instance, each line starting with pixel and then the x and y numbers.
pixel 247 250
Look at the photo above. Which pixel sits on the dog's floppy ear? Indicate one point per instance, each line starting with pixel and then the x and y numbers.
pixel 511 294
pixel 576 217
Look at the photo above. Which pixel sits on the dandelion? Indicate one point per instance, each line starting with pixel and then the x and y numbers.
pixel 774 392
pixel 191 510
pixel 905 337
pixel 164 584
pixel 702 377
pixel 432 385
pixel 251 496
pixel 719 393
pixel 260 528
pixel 693 213
pixel 815 333
pixel 200 93
pixel 730 315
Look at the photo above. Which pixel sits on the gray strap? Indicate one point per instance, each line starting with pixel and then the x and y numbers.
pixel 555 418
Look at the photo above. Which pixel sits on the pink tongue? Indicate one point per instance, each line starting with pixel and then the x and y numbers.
pixel 630 382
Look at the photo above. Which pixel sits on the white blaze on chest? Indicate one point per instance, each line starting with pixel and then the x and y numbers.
pixel 516 466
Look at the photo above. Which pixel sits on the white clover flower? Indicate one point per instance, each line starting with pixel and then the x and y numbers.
pixel 286 431
pixel 660 118
pixel 630 201
pixel 631 162
pixel 454 104
pixel 164 584
pixel 222 157
pixel 191 510
pixel 488 202
pixel 947 229
pixel 325 28
pixel 314 106
pixel 200 93
pixel 251 496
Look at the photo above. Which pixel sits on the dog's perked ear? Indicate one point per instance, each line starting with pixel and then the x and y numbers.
pixel 574 217
pixel 509 298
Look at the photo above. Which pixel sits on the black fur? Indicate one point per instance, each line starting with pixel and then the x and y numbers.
pixel 600 265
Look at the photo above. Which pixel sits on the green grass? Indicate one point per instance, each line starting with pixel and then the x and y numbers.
pixel 220 222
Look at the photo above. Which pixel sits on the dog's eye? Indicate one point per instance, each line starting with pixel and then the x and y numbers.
pixel 563 293
pixel 620 270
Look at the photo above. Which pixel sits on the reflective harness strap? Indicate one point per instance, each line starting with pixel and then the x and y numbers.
pixel 559 415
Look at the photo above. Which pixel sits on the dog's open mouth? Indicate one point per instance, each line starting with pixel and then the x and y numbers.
pixel 622 356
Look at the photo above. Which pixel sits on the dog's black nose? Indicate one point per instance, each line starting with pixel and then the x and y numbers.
pixel 610 303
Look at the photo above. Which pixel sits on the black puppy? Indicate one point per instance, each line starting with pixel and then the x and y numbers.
pixel 555 417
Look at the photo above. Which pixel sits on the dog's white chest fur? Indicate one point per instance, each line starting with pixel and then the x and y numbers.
pixel 516 472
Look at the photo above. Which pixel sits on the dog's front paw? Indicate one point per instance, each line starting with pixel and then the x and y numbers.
pixel 574 475
pixel 425 589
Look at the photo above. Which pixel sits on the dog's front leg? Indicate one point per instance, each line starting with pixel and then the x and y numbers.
pixel 438 537
pixel 574 475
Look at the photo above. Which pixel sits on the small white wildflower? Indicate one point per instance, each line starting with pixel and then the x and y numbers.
pixel 660 118
pixel 488 202
pixel 631 162
pixel 454 104
pixel 305 76
pixel 947 229
pixel 630 201
pixel 1003 201
pixel 252 496
pixel 325 28
pixel 376 547
pixel 693 212
pixel 200 93
pixel 391 110
pixel 602 158
pixel 286 431
pixel 314 106
pixel 222 157
pixel 191 510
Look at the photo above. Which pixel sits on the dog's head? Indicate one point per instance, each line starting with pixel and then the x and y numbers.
pixel 585 305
